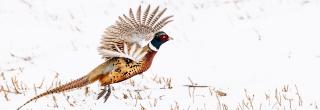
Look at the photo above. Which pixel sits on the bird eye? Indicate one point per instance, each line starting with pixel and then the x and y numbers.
pixel 164 38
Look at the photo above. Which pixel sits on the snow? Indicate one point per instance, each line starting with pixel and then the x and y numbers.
pixel 230 45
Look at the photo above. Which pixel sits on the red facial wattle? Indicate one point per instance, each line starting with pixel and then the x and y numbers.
pixel 164 38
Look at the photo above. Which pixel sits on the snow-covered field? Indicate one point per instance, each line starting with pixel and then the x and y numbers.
pixel 264 54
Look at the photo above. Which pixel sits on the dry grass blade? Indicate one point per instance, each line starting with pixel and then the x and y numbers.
pixel 125 96
pixel 250 99
pixel 15 85
pixel 5 92
pixel 212 91
pixel 68 100
pixel 240 107
pixel 86 91
pixel 8 89
pixel 131 96
pixel 35 89
pixel 132 83
pixel 278 97
pixel 155 102
pixel 219 102
pixel 224 107
pixel 55 101
pixel 191 81
pixel 285 88
pixel 41 84
pixel 168 83
pixel 138 96
pixel 142 107
pixel 175 106
pixel 24 86
pixel 27 59
pixel 298 94
pixel 2 76
pixel 194 86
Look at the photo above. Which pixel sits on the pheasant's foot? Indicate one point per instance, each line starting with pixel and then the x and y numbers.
pixel 108 94
pixel 103 91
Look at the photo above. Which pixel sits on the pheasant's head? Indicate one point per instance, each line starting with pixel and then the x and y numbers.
pixel 159 39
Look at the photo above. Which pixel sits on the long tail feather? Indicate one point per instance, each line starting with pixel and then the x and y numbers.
pixel 83 81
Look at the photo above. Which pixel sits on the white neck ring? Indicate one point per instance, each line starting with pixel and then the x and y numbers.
pixel 152 47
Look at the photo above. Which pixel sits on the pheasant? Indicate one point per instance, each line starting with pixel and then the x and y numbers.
pixel 128 48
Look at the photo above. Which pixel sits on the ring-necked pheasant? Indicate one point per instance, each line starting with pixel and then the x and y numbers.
pixel 128 46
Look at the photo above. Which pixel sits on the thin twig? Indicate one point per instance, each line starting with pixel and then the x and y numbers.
pixel 298 94
pixel 200 86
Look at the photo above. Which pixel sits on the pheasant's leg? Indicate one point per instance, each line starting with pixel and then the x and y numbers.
pixel 108 94
pixel 103 91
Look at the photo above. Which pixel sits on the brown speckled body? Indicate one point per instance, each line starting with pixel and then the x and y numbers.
pixel 121 69
pixel 126 68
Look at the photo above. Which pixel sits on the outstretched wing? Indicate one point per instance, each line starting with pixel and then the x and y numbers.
pixel 130 34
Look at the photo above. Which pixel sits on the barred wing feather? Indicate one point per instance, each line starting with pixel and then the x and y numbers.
pixel 129 36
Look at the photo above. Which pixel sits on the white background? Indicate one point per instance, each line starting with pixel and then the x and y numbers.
pixel 229 45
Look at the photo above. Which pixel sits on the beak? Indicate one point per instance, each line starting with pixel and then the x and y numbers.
pixel 170 38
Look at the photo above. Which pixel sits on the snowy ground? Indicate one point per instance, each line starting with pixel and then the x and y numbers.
pixel 264 54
